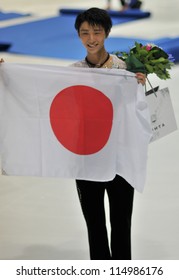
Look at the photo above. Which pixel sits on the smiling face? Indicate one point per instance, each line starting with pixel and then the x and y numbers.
pixel 92 37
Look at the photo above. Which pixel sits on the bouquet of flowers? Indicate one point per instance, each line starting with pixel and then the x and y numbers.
pixel 148 59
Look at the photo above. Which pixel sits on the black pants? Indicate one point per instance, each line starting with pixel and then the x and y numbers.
pixel 120 195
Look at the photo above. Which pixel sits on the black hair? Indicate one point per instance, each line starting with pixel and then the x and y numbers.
pixel 94 16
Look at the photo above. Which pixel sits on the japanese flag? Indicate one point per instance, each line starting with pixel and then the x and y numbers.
pixel 73 122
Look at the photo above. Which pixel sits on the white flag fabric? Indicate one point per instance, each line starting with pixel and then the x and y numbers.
pixel 73 123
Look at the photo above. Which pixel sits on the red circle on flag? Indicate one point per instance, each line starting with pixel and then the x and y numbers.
pixel 81 119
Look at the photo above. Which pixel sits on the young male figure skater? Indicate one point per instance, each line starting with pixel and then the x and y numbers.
pixel 93 27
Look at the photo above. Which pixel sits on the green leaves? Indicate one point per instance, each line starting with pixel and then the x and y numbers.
pixel 147 59
pixel 150 69
pixel 134 65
